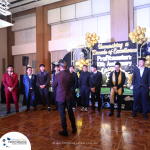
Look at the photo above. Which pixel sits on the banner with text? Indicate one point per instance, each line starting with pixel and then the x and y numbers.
pixel 105 55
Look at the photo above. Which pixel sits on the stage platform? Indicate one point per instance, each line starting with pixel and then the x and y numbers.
pixel 93 131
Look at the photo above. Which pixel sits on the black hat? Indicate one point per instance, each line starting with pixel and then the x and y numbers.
pixel 142 59
pixel 41 65
pixel 10 66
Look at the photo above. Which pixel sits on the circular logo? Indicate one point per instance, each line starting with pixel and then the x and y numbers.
pixel 14 141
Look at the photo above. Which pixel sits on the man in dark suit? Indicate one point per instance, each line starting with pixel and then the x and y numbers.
pixel 116 79
pixel 29 81
pixel 141 86
pixel 10 81
pixel 43 80
pixel 54 90
pixel 95 84
pixel 74 86
pixel 84 87
pixel 64 97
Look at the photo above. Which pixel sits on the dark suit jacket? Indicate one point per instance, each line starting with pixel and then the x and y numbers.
pixel 75 81
pixel 26 83
pixel 63 82
pixel 96 81
pixel 86 76
pixel 43 80
pixel 145 78
pixel 121 84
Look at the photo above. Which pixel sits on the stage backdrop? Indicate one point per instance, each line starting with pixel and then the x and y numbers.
pixel 105 55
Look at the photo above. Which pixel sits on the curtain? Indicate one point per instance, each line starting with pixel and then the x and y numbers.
pixel 19 68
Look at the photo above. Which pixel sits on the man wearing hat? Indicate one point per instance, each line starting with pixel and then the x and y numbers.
pixel 10 81
pixel 95 84
pixel 43 79
pixel 141 86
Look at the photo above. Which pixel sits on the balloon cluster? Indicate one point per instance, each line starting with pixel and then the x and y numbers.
pixel 138 35
pixel 91 39
pixel 129 80
pixel 147 63
pixel 82 62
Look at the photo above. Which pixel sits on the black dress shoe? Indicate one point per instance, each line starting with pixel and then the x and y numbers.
pixel 63 133
pixel 8 112
pixel 49 109
pixel 118 114
pixel 145 116
pixel 134 115
pixel 111 113
pixel 56 108
pixel 27 109
pixel 17 111
pixel 74 130
pixel 43 108
pixel 35 109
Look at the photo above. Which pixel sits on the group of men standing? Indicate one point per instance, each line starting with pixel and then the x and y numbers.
pixel 65 83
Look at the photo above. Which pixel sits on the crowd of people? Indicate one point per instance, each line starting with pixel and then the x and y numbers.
pixel 64 84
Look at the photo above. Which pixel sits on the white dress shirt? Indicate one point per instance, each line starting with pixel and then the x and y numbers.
pixel 141 71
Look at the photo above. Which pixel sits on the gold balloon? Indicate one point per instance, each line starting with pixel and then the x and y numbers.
pixel 147 57
pixel 87 61
pixel 80 68
pixel 142 35
pixel 81 65
pixel 87 33
pixel 94 34
pixel 133 41
pixel 135 33
pixel 137 37
pixel 139 31
pixel 143 29
pixel 89 39
pixel 147 62
pixel 138 28
pixel 95 41
pixel 140 41
pixel 97 37
pixel 83 60
pixel 89 45
pixel 145 39
pixel 86 38
pixel 90 35
pixel 93 38
pixel 77 63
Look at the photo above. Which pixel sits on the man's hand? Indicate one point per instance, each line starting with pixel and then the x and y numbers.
pixel 93 90
pixel 42 86
pixel 115 88
pixel 10 89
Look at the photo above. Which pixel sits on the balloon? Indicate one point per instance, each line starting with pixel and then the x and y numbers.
pixel 145 39
pixel 83 60
pixel 133 41
pixel 77 63
pixel 143 30
pixel 89 39
pixel 80 68
pixel 94 34
pixel 139 31
pixel 137 37
pixel 142 35
pixel 90 35
pixel 138 28
pixel 140 41
pixel 81 65
pixel 135 33
pixel 86 38
pixel 89 45
pixel 97 37
pixel 147 57
pixel 93 38
pixel 87 33
pixel 87 61
pixel 147 62
pixel 95 41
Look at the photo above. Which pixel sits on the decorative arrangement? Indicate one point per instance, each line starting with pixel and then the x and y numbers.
pixel 91 39
pixel 147 63
pixel 138 35
pixel 129 80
